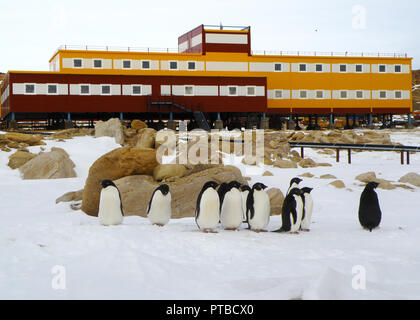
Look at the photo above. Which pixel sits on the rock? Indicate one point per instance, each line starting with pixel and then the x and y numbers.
pixel 411 178
pixel 29 139
pixel 138 125
pixel 71 133
pixel 267 174
pixel 5 149
pixel 284 164
pixel 307 175
pixel 323 164
pixel 136 190
pixel 19 158
pixel 114 165
pixel 338 184
pixel 366 177
pixel 307 163
pixel 145 139
pixel 276 201
pixel 165 171
pixel 327 176
pixel 70 196
pixel 111 128
pixel 49 165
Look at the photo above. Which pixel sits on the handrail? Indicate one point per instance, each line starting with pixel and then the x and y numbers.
pixel 373 147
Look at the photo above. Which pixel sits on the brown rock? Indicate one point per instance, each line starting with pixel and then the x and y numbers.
pixel 411 178
pixel 111 128
pixel 28 139
pixel 145 139
pixel 70 196
pixel 284 164
pixel 138 124
pixel 366 177
pixel 19 158
pixel 307 163
pixel 307 175
pixel 114 165
pixel 338 184
pixel 267 174
pixel 166 171
pixel 327 176
pixel 276 201
pixel 71 133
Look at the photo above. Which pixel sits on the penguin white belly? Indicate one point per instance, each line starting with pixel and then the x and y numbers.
pixel 261 211
pixel 208 217
pixel 295 225
pixel 244 195
pixel 110 207
pixel 232 214
pixel 160 211
pixel 306 222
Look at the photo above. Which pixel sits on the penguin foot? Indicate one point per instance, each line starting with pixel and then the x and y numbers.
pixel 259 230
pixel 209 231
pixel 159 224
pixel 294 232
pixel 231 229
pixel 305 230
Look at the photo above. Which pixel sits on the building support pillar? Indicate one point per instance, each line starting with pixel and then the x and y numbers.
pixel 265 122
pixel 370 122
pixel 12 123
pixel 347 127
pixel 409 124
pixel 67 123
pixel 331 122
pixel 290 123
pixel 316 125
pixel 218 124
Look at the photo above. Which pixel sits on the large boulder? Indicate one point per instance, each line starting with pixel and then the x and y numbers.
pixel 412 178
pixel 145 139
pixel 111 128
pixel 70 196
pixel 114 165
pixel 136 190
pixel 166 171
pixel 49 165
pixel 276 201
pixel 138 125
pixel 29 139
pixel 19 158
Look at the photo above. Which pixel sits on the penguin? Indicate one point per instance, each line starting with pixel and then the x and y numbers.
pixel 208 208
pixel 369 211
pixel 307 208
pixel 110 205
pixel 294 183
pixel 231 213
pixel 221 191
pixel 258 208
pixel 291 212
pixel 159 210
pixel 245 189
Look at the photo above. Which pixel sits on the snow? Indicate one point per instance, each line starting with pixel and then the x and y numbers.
pixel 139 261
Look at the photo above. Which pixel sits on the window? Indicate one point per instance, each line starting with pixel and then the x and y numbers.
pixel 84 89
pixel 278 94
pixel 318 68
pixel 277 67
pixel 105 89
pixel 52 89
pixel 189 90
pixel 97 63
pixel 397 69
pixel 343 68
pixel 359 94
pixel 30 88
pixel 398 95
pixel 77 63
pixel 126 64
pixel 320 94
pixel 191 65
pixel 359 68
pixel 302 67
pixel 343 94
pixel 232 91
pixel 303 94
pixel 250 91
pixel 145 64
pixel 382 94
pixel 173 65
pixel 136 89
pixel 382 68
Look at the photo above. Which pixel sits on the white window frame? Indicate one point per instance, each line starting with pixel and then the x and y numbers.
pixel 274 67
pixel 398 65
pixel 131 64
pixel 53 84
pixel 362 97
pixel 177 65
pixel 384 98
pixel 281 94
pixel 29 93
pixel 357 65
pixel 347 94
pixel 110 90
pixel 319 64
pixel 93 63
pixel 132 89
pixel 395 94
pixel 189 86
pixel 303 64
pixel 255 91
pixel 345 66
pixel 379 68
pixel 188 65
pixel 80 89
pixel 150 64
pixel 232 95
pixel 306 94
pixel 81 64
pixel 316 94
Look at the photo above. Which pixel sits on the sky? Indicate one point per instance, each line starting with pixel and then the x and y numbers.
pixel 33 30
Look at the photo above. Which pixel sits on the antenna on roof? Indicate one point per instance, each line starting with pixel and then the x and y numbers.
pixel 221 26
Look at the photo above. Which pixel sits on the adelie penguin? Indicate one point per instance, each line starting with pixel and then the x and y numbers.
pixel 369 211
pixel 222 191
pixel 307 209
pixel 292 211
pixel 208 208
pixel 231 213
pixel 244 193
pixel 258 208
pixel 110 206
pixel 294 183
pixel 159 210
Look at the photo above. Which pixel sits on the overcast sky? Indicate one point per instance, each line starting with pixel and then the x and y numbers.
pixel 31 30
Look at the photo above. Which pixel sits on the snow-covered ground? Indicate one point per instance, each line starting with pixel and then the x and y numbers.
pixel 139 261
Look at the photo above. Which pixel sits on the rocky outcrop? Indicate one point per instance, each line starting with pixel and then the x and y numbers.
pixel 19 158
pixel 114 165
pixel 71 133
pixel 383 184
pixel 145 139
pixel 309 163
pixel 28 139
pixel 111 128
pixel 411 178
pixel 138 125
pixel 276 201
pixel 279 163
pixel 167 171
pixel 70 197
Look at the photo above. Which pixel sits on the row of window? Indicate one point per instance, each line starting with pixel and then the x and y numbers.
pixel 276 67
pixel 4 95
pixel 340 94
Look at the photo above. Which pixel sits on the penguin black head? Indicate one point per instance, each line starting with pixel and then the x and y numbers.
pixel 164 189
pixel 210 184
pixel 372 185
pixel 306 190
pixel 234 184
pixel 296 191
pixel 245 188
pixel 295 180
pixel 259 186
pixel 223 185
pixel 107 183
